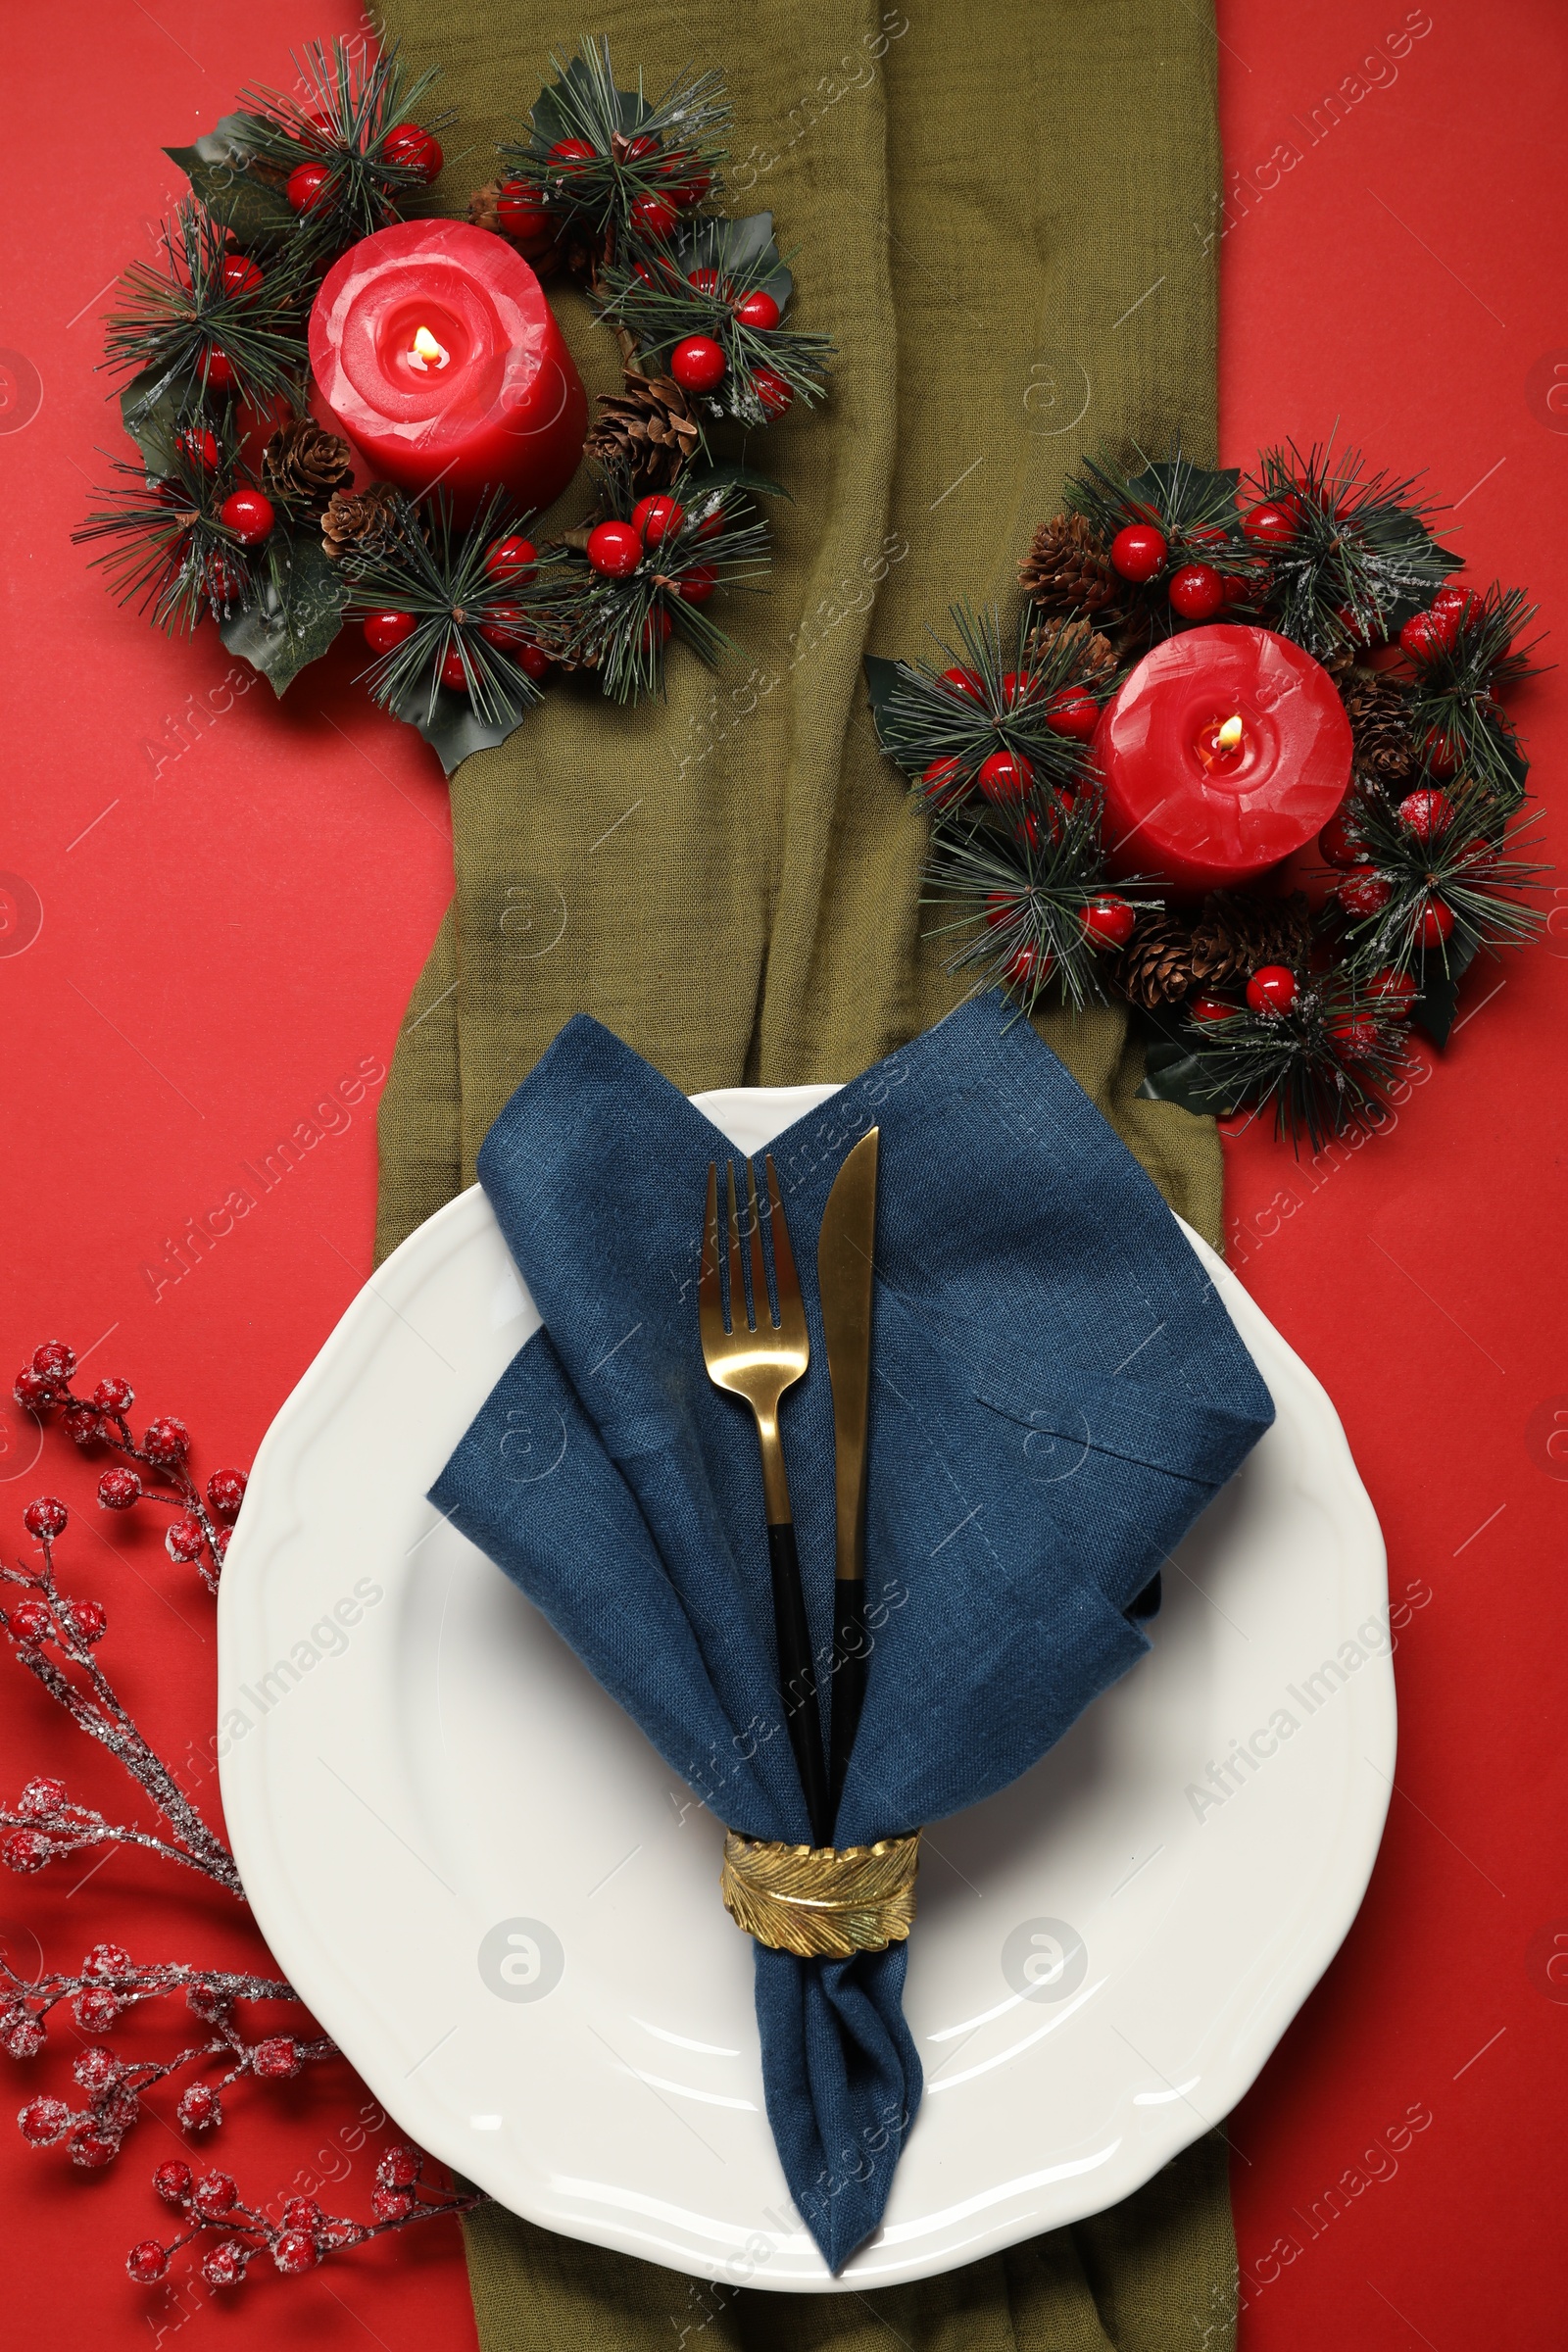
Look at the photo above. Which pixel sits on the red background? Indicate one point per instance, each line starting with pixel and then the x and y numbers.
pixel 232 923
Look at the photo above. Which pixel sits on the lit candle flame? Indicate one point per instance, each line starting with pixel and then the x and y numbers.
pixel 1228 737
pixel 426 352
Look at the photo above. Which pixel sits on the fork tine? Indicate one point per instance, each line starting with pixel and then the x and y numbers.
pixel 737 1283
pixel 786 1281
pixel 707 1293
pixel 759 1297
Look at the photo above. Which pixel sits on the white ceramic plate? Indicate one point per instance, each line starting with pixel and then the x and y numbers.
pixel 483 1879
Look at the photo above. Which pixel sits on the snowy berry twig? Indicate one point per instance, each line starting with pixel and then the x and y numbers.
pixel 54 1635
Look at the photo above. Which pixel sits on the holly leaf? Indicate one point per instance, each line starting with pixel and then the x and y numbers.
pixel 881 677
pixel 1507 756
pixel 1411 549
pixel 219 168
pixel 1434 1010
pixel 224 143
pixel 297 613
pixel 1174 1073
pixel 149 414
pixel 1189 495
pixel 742 251
pixel 1514 760
pixel 451 725
pixel 729 474
pixel 552 120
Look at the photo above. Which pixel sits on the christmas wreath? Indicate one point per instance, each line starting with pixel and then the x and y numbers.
pixel 242 506
pixel 1253 997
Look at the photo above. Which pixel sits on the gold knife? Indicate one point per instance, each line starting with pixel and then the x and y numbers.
pixel 844 1259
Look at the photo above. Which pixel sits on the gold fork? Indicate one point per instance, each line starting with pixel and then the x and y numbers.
pixel 758 1358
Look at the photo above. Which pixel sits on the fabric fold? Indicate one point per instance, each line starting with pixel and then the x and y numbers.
pixel 622 1491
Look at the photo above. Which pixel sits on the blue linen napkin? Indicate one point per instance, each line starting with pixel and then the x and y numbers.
pixel 1058 1394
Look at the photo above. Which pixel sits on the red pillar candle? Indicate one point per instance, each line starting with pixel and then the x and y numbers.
pixel 1226 749
pixel 433 346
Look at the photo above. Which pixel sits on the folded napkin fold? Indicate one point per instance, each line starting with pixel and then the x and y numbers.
pixel 1058 1392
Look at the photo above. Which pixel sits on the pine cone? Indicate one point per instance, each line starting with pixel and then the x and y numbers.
pixel 362 524
pixel 1092 654
pixel 1380 723
pixel 303 464
pixel 482 208
pixel 1067 569
pixel 646 426
pixel 1238 932
pixel 1156 966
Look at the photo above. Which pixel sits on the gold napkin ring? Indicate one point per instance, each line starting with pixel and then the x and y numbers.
pixel 821 1902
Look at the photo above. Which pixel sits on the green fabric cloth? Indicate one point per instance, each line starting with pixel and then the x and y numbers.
pixel 1004 219
pixel 1155 2272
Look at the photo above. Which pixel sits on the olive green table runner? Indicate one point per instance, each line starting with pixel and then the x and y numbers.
pixel 1002 216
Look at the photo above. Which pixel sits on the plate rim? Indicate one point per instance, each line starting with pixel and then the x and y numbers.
pixel 285 1921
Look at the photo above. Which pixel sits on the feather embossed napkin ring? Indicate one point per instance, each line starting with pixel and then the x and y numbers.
pixel 821 1902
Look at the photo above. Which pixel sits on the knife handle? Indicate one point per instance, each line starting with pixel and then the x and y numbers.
pixel 851 1643
pixel 797 1675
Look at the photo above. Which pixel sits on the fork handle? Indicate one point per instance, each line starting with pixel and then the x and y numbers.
pixel 797 1675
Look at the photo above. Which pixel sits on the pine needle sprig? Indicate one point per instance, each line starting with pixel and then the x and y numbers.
pixel 167 322
pixel 167 551
pixel 1323 1068
pixel 350 104
pixel 1194 509
pixel 436 570
pixel 619 627
pixel 712 267
pixel 1194 505
pixel 1023 898
pixel 666 147
pixel 992 691
pixel 1361 557
pixel 1452 693
pixel 1457 880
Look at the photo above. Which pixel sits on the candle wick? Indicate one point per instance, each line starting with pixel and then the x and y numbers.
pixel 426 352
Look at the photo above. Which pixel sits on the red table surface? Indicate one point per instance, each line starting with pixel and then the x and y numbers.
pixel 231 901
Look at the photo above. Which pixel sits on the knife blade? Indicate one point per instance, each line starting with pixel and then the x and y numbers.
pixel 844 1273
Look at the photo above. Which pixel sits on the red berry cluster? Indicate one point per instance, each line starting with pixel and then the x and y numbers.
pixel 629 183
pixel 710 318
pixel 1364 889
pixel 1197 589
pixel 1409 870
pixel 1006 778
pixel 511 562
pixel 300 2237
pixel 407 147
pixel 616 550
pixel 54 1636
pixel 1106 922
pixel 699 363
pixel 1274 990
pixel 1429 634
pixel 51 1634
pixel 238 277
pixel 108 1985
pixel 199 1534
